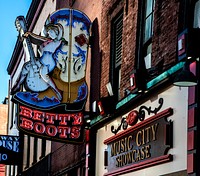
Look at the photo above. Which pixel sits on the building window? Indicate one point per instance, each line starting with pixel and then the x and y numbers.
pixel 43 148
pixel 148 18
pixel 35 151
pixel 28 147
pixel 10 169
pixel 14 170
pixel 12 115
pixel 196 23
pixel 148 21
pixel 116 53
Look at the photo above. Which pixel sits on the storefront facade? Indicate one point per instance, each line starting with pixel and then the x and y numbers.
pixel 144 47
pixel 148 147
pixel 135 122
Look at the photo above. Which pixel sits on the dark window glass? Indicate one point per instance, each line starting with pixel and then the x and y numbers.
pixel 43 148
pixel 28 151
pixel 35 150
pixel 116 53
pixel 148 21
pixel 148 18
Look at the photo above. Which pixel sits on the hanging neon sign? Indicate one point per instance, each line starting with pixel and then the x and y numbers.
pixel 54 82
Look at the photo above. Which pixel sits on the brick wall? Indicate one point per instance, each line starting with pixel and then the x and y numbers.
pixel 3 118
pixel 129 42
pixel 3 129
pixel 109 10
pixel 165 31
pixel 66 156
pixel 164 38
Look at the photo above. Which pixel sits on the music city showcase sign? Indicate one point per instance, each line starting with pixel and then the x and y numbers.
pixel 143 145
pixel 51 90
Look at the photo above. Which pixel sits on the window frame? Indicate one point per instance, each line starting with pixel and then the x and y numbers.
pixel 35 150
pixel 28 152
pixel 146 16
pixel 115 68
pixel 144 47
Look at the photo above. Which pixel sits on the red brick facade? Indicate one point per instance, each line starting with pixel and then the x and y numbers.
pixel 164 40
pixel 67 158
pixel 165 31
pixel 3 129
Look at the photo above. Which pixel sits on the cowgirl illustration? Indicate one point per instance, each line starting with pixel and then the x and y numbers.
pixel 35 72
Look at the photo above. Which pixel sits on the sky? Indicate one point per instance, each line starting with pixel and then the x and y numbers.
pixel 9 10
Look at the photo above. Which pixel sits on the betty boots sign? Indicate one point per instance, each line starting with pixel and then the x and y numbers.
pixel 63 127
pixel 54 94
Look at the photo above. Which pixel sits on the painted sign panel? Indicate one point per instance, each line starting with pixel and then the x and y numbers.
pixel 9 150
pixel 143 145
pixel 67 127
pixel 54 82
